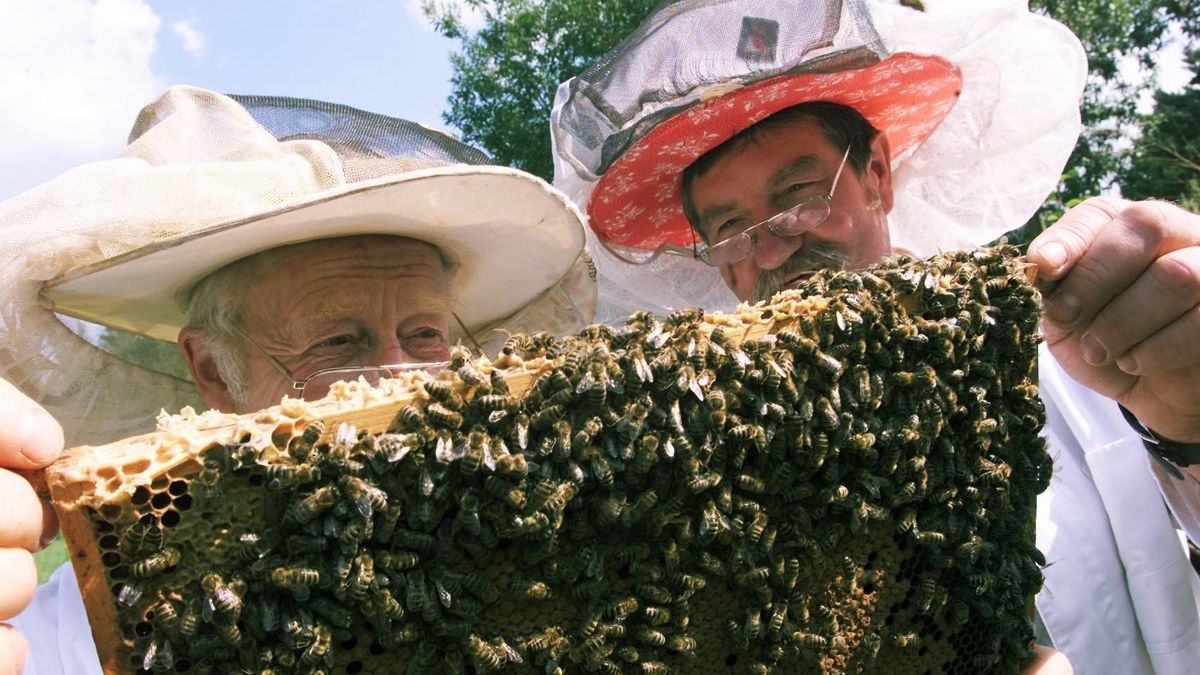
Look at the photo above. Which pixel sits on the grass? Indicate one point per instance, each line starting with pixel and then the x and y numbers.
pixel 50 559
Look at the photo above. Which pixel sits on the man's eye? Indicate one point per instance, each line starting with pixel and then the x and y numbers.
pixel 335 341
pixel 728 227
pixel 427 334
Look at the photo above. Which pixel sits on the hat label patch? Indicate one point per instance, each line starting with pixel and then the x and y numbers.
pixel 758 39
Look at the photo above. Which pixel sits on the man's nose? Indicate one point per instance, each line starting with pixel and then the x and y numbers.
pixel 391 353
pixel 772 250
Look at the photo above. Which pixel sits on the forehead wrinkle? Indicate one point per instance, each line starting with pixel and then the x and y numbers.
pixel 801 164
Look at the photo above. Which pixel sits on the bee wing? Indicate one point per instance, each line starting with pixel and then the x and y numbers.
pixel 669 448
pixel 586 382
pixel 128 595
pixel 346 434
pixel 447 451
pixel 522 435
pixel 742 358
pixel 695 387
pixel 676 416
pixel 148 657
pixel 489 460
pixel 443 594
pixel 644 372
pixel 496 415
pixel 399 452
pixel 511 654
pixel 614 385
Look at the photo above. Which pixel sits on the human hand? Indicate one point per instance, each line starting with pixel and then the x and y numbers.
pixel 1123 319
pixel 29 439
pixel 1048 662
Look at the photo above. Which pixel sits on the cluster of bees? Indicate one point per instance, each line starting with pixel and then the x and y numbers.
pixel 852 492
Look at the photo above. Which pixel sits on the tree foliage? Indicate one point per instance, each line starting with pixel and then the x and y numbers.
pixel 1165 160
pixel 506 74
pixel 163 357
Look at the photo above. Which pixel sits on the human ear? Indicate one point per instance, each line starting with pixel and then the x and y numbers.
pixel 193 344
pixel 879 171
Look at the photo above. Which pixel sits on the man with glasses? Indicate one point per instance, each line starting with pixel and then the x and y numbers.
pixel 854 130
pixel 286 245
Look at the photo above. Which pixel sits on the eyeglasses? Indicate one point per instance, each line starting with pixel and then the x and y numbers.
pixel 796 220
pixel 316 386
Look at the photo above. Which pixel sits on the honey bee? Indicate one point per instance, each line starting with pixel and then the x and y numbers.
pixel 547 416
pixel 159 655
pixel 594 385
pixel 809 640
pixel 443 416
pixel 166 616
pixel 319 650
pixel 189 621
pixel 512 466
pixel 311 506
pixel 363 578
pixel 473 455
pixel 156 563
pixel 413 540
pixel 298 580
pixel 222 599
pixel 143 536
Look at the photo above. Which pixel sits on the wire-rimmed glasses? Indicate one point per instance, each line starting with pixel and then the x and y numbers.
pixel 796 220
pixel 316 386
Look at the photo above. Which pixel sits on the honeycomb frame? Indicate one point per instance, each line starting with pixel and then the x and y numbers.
pixel 840 480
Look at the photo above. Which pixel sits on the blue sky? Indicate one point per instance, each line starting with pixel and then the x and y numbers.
pixel 76 72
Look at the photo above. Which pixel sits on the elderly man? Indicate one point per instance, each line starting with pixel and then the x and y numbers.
pixel 287 244
pixel 769 139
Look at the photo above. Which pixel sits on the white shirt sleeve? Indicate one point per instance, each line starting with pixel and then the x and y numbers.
pixel 56 625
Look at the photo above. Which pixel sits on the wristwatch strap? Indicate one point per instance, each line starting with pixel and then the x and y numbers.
pixel 1169 453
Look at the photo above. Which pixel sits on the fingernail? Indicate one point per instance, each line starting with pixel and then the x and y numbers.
pixel 1055 254
pixel 1128 364
pixel 38 444
pixel 1063 308
pixel 1092 351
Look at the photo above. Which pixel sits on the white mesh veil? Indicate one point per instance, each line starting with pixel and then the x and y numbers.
pixel 984 170
pixel 195 159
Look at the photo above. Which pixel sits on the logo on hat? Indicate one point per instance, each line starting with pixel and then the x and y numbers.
pixel 758 39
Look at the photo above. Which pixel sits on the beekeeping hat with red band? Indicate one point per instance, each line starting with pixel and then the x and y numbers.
pixel 209 179
pixel 979 102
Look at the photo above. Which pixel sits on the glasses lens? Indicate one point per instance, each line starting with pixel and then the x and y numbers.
pixel 729 251
pixel 800 218
pixel 432 368
pixel 317 386
pixel 630 254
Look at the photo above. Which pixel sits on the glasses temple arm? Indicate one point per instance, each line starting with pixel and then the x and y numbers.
pixel 298 385
pixel 466 331
pixel 838 175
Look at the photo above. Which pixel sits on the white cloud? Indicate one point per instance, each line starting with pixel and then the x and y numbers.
pixel 75 74
pixel 471 17
pixel 193 40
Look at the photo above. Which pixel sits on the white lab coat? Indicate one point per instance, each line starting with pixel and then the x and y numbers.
pixel 1120 596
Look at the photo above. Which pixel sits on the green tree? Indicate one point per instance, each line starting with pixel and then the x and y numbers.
pixel 507 72
pixel 163 357
pixel 1165 160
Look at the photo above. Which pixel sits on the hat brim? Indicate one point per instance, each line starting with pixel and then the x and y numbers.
pixel 637 201
pixel 510 234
